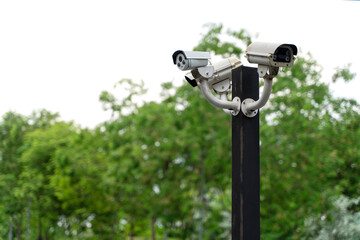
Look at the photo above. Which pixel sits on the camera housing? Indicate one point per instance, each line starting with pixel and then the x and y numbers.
pixel 217 77
pixel 271 54
pixel 208 77
pixel 188 60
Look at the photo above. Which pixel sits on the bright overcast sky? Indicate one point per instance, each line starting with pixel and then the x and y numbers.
pixel 59 55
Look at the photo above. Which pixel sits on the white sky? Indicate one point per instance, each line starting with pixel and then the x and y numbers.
pixel 60 55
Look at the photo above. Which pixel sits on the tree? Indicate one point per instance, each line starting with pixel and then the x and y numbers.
pixel 39 167
pixel 12 130
pixel 142 159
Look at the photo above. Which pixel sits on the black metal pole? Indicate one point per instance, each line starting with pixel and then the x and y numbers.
pixel 245 160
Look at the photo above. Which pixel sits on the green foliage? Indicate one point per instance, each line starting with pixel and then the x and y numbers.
pixel 341 222
pixel 132 89
pixel 310 163
pixel 343 73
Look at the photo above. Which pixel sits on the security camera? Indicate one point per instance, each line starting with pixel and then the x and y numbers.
pixel 223 73
pixel 188 60
pixel 269 57
pixel 218 78
pixel 271 54
pixel 216 74
pixel 210 77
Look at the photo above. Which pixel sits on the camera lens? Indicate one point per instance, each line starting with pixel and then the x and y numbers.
pixel 282 54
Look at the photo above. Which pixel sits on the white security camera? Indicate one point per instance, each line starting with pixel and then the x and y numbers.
pixel 269 57
pixel 188 60
pixel 271 54
pixel 215 74
pixel 221 77
pixel 209 77
pixel 220 81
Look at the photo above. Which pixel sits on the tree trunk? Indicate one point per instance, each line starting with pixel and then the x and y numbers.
pixel 153 235
pixel 165 233
pixel 18 227
pixel 131 231
pixel 40 230
pixel 47 235
pixel 202 198
pixel 28 215
pixel 10 228
pixel 113 230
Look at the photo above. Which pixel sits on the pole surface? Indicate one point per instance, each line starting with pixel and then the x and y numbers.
pixel 245 160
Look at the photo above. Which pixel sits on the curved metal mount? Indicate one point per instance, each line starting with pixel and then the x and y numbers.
pixel 249 106
pixel 223 96
pixel 234 105
pixel 233 112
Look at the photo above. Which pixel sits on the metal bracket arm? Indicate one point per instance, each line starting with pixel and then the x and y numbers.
pixel 249 106
pixel 205 90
